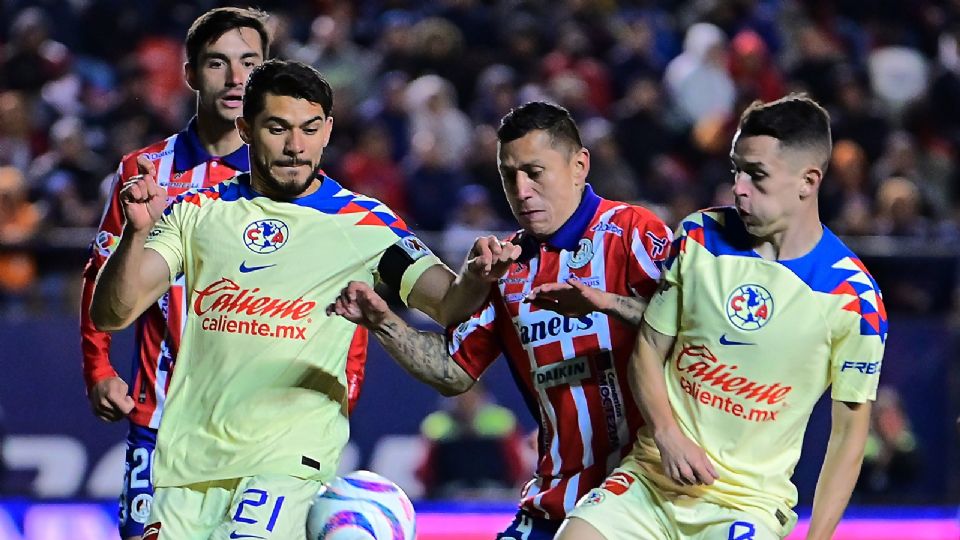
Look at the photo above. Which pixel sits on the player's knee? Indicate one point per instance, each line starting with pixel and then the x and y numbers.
pixel 574 528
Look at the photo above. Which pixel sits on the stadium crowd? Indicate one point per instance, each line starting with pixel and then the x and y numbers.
pixel 656 86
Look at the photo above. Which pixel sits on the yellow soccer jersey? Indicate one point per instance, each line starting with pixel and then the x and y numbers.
pixel 758 342
pixel 260 385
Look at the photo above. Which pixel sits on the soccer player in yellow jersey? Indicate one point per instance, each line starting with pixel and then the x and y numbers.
pixel 760 310
pixel 257 416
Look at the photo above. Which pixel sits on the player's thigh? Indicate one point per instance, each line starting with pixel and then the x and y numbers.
pixel 270 507
pixel 136 498
pixel 527 527
pixel 623 508
pixel 189 512
pixel 708 521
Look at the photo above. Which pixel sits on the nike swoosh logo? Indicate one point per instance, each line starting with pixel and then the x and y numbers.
pixel 235 535
pixel 725 341
pixel 247 269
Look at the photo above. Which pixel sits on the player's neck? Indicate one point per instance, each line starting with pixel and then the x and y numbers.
pixel 218 138
pixel 799 238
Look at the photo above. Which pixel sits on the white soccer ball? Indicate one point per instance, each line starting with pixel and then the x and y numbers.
pixel 361 506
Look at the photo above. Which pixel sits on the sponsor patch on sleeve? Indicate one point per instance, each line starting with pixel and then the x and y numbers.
pixel 106 243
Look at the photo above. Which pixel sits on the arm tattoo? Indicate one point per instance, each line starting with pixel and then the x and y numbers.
pixel 423 355
pixel 629 309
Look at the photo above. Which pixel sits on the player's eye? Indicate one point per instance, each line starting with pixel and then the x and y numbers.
pixel 215 64
pixel 311 131
pixel 276 130
pixel 249 64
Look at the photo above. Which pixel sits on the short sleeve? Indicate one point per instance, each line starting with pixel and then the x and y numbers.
pixel 856 354
pixel 473 344
pixel 167 239
pixel 648 247
pixel 663 313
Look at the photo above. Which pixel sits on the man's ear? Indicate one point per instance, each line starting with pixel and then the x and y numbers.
pixel 581 165
pixel 812 178
pixel 244 129
pixel 190 75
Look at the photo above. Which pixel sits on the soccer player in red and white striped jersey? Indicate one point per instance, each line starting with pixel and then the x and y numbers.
pixel 565 315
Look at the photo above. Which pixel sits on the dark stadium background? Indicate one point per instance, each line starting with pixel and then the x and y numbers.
pixel 84 81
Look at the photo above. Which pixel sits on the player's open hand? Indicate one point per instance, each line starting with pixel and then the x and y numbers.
pixel 683 461
pixel 142 198
pixel 571 298
pixel 489 259
pixel 109 399
pixel 360 304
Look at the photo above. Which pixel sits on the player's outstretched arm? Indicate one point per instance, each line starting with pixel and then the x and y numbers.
pixel 575 299
pixel 682 460
pixel 841 467
pixel 133 277
pixel 451 299
pixel 422 354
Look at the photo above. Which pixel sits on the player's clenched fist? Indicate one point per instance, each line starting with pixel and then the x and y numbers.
pixel 142 198
pixel 489 259
pixel 109 399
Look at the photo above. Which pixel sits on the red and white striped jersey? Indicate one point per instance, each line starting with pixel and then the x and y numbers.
pixel 571 371
pixel 182 164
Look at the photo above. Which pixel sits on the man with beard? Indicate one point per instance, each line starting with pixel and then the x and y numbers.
pixel 223 45
pixel 256 419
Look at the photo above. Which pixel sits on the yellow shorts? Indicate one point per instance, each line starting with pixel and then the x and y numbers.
pixel 265 506
pixel 626 507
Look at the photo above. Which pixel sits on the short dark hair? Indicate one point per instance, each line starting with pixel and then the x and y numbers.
pixel 796 120
pixel 285 78
pixel 540 115
pixel 211 25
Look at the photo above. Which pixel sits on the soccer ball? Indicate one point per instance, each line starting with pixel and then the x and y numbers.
pixel 361 506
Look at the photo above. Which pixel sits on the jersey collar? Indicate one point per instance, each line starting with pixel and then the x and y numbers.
pixel 188 152
pixel 569 234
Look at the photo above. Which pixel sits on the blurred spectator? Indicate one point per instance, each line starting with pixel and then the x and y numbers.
pixel 432 106
pixel 483 170
pixel 20 142
pixel 69 175
pixel 129 122
pixel 573 56
pixel 642 134
pixel 388 108
pixel 496 94
pixel 31 58
pixel 610 175
pixel 369 169
pixel 931 171
pixel 395 43
pixel 572 92
pixel 634 54
pixel 898 209
pixel 438 49
pixel 521 49
pixel 819 63
pixel 473 216
pixel 854 117
pixel 19 222
pixel 891 461
pixel 432 182
pixel 846 203
pixel 701 65
pixel 471 425
pixel 753 70
pixel 898 76
pixel 346 66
